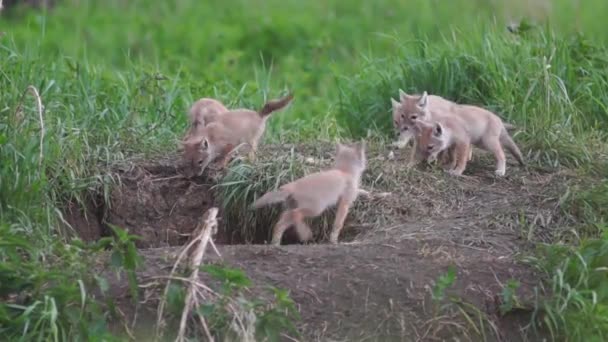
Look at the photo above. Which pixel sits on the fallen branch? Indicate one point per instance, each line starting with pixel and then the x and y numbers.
pixel 201 237
pixel 208 227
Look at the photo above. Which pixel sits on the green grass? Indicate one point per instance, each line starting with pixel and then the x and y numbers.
pixel 116 78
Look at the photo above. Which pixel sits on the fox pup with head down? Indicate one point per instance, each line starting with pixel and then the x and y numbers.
pixel 459 125
pixel 224 133
pixel 311 195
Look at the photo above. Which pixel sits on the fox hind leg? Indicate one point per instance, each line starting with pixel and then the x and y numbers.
pixel 285 221
pixel 493 145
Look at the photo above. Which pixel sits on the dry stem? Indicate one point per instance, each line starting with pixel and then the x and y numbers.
pixel 201 237
pixel 32 90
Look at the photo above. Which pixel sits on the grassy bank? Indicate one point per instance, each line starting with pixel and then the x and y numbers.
pixel 117 77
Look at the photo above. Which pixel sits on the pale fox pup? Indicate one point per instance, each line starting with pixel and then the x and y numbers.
pixel 435 137
pixel 311 195
pixel 483 128
pixel 404 117
pixel 226 132
pixel 203 112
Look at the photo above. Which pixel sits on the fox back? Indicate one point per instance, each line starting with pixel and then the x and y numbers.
pixel 204 110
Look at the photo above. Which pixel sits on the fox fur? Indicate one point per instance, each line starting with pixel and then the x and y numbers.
pixel 224 133
pixel 311 195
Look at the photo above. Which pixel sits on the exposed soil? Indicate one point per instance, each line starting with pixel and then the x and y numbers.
pixel 375 284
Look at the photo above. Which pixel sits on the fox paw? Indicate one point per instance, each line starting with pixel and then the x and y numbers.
pixel 455 172
pixel 499 173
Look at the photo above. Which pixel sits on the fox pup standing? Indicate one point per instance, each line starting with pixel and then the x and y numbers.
pixel 225 133
pixel 465 124
pixel 311 195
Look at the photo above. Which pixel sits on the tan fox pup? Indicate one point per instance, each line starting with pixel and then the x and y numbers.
pixel 226 132
pixel 483 128
pixel 405 115
pixel 311 195
pixel 435 137
pixel 203 112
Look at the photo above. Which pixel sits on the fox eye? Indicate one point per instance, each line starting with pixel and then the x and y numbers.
pixel 430 147
pixel 396 123
pixel 403 116
pixel 414 117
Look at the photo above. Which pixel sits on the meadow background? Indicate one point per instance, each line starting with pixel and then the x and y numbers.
pixel 117 77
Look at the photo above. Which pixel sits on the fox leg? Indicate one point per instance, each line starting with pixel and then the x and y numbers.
pixel 341 213
pixel 285 221
pixel 461 151
pixel 253 151
pixel 227 153
pixel 303 230
pixel 412 158
pixel 493 145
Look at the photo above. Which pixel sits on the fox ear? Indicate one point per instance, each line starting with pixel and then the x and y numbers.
pixel 402 95
pixel 396 104
pixel 424 100
pixel 339 147
pixel 438 129
pixel 361 146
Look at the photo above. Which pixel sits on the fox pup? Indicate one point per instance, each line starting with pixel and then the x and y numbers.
pixel 225 133
pixel 435 137
pixel 311 195
pixel 203 112
pixel 404 125
pixel 483 128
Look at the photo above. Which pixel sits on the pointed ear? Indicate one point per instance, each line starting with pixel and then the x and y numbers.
pixel 438 129
pixel 339 147
pixel 396 104
pixel 402 95
pixel 424 100
pixel 361 146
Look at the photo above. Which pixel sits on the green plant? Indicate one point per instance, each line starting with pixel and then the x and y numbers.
pixel 578 306
pixel 269 319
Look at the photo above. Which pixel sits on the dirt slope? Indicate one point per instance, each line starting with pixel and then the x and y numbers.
pixel 375 285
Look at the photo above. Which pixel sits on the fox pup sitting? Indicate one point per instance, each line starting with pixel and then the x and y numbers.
pixel 311 195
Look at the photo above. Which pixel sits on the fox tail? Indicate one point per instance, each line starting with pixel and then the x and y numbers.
pixel 270 198
pixel 274 105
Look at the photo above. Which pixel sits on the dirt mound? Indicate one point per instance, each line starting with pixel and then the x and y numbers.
pixel 368 292
pixel 375 284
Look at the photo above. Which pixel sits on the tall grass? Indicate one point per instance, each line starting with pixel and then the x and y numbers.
pixel 116 78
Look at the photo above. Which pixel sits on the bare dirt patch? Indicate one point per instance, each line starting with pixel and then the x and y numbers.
pixel 375 284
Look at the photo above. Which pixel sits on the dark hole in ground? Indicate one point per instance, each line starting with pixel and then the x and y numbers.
pixel 155 203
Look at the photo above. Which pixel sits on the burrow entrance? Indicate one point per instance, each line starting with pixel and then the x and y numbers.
pixel 153 201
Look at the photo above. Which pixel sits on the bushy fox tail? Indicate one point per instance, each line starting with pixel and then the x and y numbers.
pixel 510 145
pixel 275 105
pixel 271 197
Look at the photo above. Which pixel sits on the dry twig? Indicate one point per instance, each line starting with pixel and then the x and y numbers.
pixel 201 237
